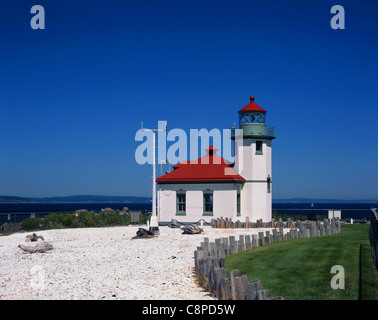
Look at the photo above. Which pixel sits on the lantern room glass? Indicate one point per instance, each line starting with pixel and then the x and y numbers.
pixel 251 117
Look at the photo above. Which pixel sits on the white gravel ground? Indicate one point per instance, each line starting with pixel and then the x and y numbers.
pixel 105 263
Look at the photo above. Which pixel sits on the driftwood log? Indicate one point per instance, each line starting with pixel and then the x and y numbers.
pixel 34 237
pixel 143 234
pixel 174 224
pixel 191 229
pixel 41 247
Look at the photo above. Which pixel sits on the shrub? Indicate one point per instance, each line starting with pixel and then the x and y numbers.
pixel 32 223
pixel 81 220
pixel 114 219
pixel 66 219
pixel 52 218
pixel 87 219
pixel 300 217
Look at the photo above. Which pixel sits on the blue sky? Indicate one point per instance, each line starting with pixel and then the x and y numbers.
pixel 72 96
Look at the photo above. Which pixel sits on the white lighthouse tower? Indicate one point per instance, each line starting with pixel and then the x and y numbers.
pixel 253 161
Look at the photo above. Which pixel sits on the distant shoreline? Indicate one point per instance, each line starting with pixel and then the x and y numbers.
pixel 75 199
pixel 148 202
pixel 323 201
pixel 71 202
pixel 134 199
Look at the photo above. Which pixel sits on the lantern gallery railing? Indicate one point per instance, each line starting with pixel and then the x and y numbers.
pixel 258 130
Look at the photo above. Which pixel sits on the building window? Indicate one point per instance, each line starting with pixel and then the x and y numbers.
pixel 269 181
pixel 238 203
pixel 180 203
pixel 259 147
pixel 208 203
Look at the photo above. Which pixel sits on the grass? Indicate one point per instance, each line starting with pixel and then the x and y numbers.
pixel 369 275
pixel 300 269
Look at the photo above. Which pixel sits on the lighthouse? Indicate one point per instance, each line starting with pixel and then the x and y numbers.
pixel 212 187
pixel 253 161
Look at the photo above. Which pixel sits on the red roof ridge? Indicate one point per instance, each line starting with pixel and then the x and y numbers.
pixel 210 167
pixel 211 148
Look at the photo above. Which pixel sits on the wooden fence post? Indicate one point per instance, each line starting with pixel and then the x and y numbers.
pixel 241 286
pixel 241 243
pixel 233 273
pixel 275 235
pixel 252 288
pixel 261 239
pixel 313 230
pixel 262 295
pixel 219 248
pixel 267 237
pixel 248 243
pixel 226 247
pixel 232 244
pixel 255 241
pixel 281 238
pixel 217 275
pixel 225 289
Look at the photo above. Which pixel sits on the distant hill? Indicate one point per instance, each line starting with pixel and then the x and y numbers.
pixel 13 199
pixel 78 199
pixel 309 200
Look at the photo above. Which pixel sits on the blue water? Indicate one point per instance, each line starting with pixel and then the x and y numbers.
pixel 348 210
pixel 20 211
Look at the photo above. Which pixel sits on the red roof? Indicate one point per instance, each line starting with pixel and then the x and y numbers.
pixel 209 168
pixel 211 149
pixel 252 106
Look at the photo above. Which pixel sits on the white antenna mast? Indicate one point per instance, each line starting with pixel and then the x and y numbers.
pixel 154 213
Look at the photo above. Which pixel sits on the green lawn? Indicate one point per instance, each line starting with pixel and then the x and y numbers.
pixel 300 269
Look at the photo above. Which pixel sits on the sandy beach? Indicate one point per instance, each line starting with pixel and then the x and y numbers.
pixel 105 263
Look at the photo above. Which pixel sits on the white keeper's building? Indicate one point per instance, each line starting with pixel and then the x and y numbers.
pixel 210 187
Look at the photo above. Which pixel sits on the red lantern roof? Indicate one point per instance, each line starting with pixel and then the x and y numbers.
pixel 252 106
pixel 209 168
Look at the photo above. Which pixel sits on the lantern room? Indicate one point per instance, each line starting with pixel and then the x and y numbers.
pixel 252 119
pixel 252 113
